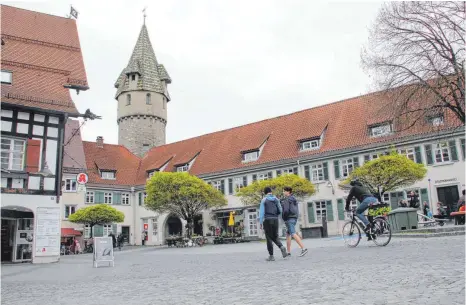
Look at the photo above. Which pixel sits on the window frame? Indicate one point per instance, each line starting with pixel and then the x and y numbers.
pixel 182 168
pixel 155 226
pixel 408 152
pixel 107 172
pixel 11 151
pixel 266 175
pixel 251 156
pixel 441 149
pixel 107 228
pixel 87 231
pixel 148 99
pixel 319 208
pixel 68 209
pixel 71 190
pixel 5 72
pixel 89 195
pixel 108 197
pixel 128 99
pixel 342 167
pixel 379 127
pixel 217 184
pixel 125 199
pixel 317 169
pixel 310 143
pixel 237 186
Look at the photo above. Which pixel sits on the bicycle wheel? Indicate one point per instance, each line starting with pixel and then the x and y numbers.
pixel 351 234
pixel 382 232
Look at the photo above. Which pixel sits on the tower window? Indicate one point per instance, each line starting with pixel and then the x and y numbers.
pixel 128 99
pixel 148 102
pixel 163 103
pixel 133 77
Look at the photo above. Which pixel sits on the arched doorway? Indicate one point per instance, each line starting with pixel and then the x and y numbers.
pixel 173 226
pixel 17 234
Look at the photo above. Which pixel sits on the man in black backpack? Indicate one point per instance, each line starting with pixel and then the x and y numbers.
pixel 269 211
pixel 290 216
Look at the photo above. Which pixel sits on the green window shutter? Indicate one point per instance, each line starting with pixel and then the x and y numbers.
pixel 366 158
pixel 417 154
pixel 310 212
pixel 99 197
pixel 462 148
pixel 98 231
pixel 341 209
pixel 222 186
pixel 279 173
pixel 424 196
pixel 329 206
pixel 116 198
pixel 230 186
pixel 325 166
pixel 245 181
pixel 454 153
pixel 355 162
pixel 336 167
pixel 295 171
pixel 394 200
pixel 307 174
pixel 429 155
pixel 140 198
pixel 254 178
pixel 114 228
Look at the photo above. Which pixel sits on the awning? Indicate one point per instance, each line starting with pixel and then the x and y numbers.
pixel 68 232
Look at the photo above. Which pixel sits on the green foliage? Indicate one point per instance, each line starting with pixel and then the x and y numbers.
pixel 387 173
pixel 379 211
pixel 181 194
pixel 97 214
pixel 253 193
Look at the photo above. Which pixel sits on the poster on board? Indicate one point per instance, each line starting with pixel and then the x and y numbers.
pixel 47 235
pixel 103 250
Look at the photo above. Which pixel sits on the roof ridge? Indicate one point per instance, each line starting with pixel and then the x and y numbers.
pixel 48 14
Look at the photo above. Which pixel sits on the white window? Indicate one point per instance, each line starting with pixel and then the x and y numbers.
pixel 374 156
pixel 346 167
pixel 381 130
pixel 442 153
pixel 409 152
pixel 7 77
pixel 108 198
pixel 309 145
pixel 317 172
pixel 261 177
pixel 386 197
pixel 437 120
pixel 87 231
pixel 70 185
pixel 107 230
pixel 12 154
pixel 288 171
pixel 252 222
pixel 217 185
pixel 69 209
pixel 321 210
pixel 238 183
pixel 251 156
pixel 154 226
pixel 89 197
pixel 183 168
pixel 125 198
pixel 107 175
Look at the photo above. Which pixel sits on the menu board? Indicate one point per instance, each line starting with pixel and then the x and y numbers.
pixel 47 231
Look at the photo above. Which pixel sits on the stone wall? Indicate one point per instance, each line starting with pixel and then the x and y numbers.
pixel 137 130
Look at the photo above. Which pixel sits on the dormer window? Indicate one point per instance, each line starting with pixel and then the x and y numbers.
pixel 436 120
pixel 381 130
pixel 183 168
pixel 133 77
pixel 250 156
pixel 7 77
pixel 310 144
pixel 151 173
pixel 107 175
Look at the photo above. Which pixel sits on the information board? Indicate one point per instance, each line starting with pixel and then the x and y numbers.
pixel 47 236
pixel 103 250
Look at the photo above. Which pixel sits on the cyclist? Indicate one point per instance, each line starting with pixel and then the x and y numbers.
pixel 365 198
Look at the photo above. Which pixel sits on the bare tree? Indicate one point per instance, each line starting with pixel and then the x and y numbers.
pixel 416 52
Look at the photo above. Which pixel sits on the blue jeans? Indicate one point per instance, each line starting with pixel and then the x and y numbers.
pixel 363 207
pixel 290 226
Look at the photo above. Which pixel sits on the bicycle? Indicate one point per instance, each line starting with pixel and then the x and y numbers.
pixel 380 231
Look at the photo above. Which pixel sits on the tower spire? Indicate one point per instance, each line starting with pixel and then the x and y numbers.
pixel 144 14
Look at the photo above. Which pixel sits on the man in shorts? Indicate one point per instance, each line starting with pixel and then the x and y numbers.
pixel 290 216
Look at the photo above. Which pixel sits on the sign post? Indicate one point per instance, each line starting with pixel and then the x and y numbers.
pixel 103 251
pixel 47 239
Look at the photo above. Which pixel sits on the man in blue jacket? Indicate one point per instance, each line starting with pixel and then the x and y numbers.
pixel 290 216
pixel 270 209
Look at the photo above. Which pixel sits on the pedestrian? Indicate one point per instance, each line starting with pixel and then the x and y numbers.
pixel 113 239
pixel 270 209
pixel 461 202
pixel 290 216
pixel 120 241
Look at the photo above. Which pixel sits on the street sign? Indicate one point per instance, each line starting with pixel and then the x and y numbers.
pixel 82 178
pixel 103 251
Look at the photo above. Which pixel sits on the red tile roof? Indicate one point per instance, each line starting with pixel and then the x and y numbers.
pixel 345 125
pixel 44 54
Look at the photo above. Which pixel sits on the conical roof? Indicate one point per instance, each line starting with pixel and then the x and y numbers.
pixel 144 63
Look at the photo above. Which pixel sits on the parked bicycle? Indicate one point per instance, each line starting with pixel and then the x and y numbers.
pixel 380 232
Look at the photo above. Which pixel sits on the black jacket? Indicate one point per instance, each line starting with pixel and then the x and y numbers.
pixel 359 192
pixel 290 208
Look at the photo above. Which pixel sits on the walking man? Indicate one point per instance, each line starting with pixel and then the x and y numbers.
pixel 269 211
pixel 290 216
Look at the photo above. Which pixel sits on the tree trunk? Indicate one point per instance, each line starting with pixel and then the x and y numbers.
pixel 90 234
pixel 189 227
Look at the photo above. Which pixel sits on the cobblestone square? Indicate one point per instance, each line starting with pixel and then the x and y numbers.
pixel 407 271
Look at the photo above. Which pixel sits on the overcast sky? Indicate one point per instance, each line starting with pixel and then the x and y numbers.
pixel 232 62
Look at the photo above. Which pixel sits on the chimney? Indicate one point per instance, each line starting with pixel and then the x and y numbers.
pixel 100 141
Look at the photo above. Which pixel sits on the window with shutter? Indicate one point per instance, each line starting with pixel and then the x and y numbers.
pixel 336 167
pixel 99 197
pixel 429 155
pixel 222 188
pixel 279 173
pixel 269 175
pixel 117 198
pixel 454 153
pixel 418 155
pixel 32 156
pixel 325 164
pixel 367 158
pixel 140 198
pixel 295 170
pixel 329 210
pixel 310 212
pixel 254 178
pixel 245 181
pixel 341 209
pixel 356 162
pixel 230 186
pixel 307 173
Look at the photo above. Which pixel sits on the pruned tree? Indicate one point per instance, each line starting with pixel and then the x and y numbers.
pixel 387 173
pixel 98 214
pixel 253 193
pixel 181 194
pixel 416 52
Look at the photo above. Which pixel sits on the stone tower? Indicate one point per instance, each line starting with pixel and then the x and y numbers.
pixel 142 99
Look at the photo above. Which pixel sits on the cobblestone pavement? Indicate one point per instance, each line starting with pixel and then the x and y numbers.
pixel 407 271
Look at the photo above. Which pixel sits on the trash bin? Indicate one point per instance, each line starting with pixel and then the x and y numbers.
pixel 403 219
pixel 313 232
